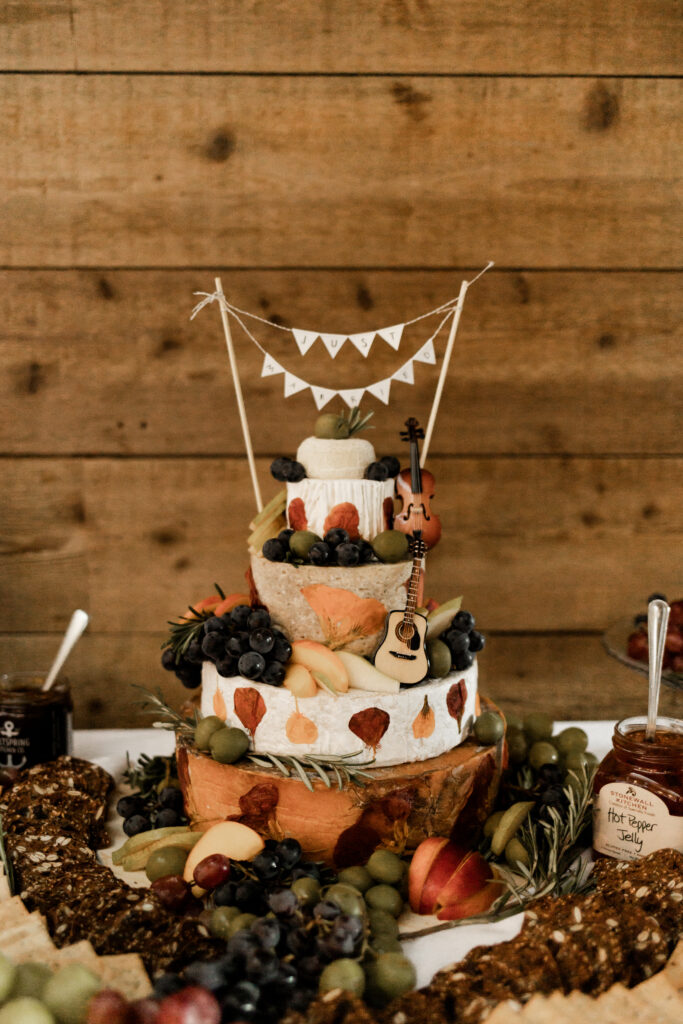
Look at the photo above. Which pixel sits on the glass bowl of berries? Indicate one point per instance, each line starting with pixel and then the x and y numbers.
pixel 626 641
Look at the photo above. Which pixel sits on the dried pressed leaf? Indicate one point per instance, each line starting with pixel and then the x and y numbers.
pixel 344 616
pixel 425 723
pixel 250 707
pixel 370 725
pixel 455 701
pixel 301 729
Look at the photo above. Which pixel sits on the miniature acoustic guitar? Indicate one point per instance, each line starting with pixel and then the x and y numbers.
pixel 401 653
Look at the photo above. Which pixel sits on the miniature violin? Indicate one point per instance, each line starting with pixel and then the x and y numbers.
pixel 415 488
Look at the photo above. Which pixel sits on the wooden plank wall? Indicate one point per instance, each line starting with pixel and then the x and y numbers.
pixel 342 166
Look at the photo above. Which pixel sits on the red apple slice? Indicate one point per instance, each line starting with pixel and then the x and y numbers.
pixel 470 876
pixel 477 903
pixel 445 864
pixel 420 866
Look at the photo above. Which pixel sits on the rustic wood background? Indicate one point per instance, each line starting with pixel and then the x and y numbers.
pixel 343 166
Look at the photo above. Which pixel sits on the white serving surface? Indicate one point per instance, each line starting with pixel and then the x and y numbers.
pixel 109 747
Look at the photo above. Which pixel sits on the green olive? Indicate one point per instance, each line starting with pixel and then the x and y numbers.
pixel 301 542
pixel 221 920
pixel 384 943
pixel 390 545
pixel 385 866
pixel 169 860
pixel 384 897
pixel 514 852
pixel 542 753
pixel 518 746
pixel 345 974
pixel 570 739
pixel 228 745
pixel 359 877
pixel 538 726
pixel 330 425
pixel 387 977
pixel 206 727
pixel 513 720
pixel 383 923
pixel 240 924
pixel 574 761
pixel 440 658
pixel 306 890
pixel 8 974
pixel 30 980
pixel 348 899
pixel 489 728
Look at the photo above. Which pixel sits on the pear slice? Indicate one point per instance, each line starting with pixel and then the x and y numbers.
pixel 144 839
pixel 275 507
pixel 508 825
pixel 364 676
pixel 440 618
pixel 138 860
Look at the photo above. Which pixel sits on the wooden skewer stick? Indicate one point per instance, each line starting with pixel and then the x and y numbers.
pixel 238 395
pixel 446 360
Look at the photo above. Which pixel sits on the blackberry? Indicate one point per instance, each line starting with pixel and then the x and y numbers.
pixel 319 553
pixel 274 550
pixel 279 468
pixel 348 554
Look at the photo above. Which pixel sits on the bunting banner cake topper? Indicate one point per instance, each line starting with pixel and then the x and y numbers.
pixel 333 344
pixel 363 342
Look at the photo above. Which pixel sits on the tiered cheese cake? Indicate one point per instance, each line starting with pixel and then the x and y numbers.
pixel 341 755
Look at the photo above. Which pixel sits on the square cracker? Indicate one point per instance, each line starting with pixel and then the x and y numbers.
pixel 126 972
pixel 78 953
pixel 658 992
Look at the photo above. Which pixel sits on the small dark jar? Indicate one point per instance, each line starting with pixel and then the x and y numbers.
pixel 34 726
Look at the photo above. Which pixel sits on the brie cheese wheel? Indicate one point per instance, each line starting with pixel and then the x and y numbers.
pixel 326 459
pixel 319 498
pixel 392 728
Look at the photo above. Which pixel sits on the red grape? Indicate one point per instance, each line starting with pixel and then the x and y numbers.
pixel 143 1011
pixel 107 1007
pixel 172 890
pixel 192 1005
pixel 212 871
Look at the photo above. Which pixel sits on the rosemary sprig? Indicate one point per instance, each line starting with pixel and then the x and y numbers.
pixel 149 775
pixel 308 767
pixel 6 862
pixel 167 718
pixel 555 863
pixel 357 422
pixel 184 632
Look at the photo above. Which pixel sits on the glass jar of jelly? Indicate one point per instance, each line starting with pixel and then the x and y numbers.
pixel 34 726
pixel 638 790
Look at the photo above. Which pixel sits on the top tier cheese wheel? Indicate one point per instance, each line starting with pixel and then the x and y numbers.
pixel 326 459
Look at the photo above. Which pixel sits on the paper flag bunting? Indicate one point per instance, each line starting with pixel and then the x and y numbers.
pixel 352 397
pixel 405 374
pixel 304 339
pixel 333 342
pixel 426 354
pixel 363 342
pixel 380 390
pixel 294 384
pixel 271 367
pixel 322 396
pixel 392 335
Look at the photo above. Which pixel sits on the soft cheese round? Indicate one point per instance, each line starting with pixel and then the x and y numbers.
pixel 323 503
pixel 342 607
pixel 414 724
pixel 327 459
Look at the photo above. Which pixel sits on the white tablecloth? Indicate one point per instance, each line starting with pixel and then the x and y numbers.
pixel 109 747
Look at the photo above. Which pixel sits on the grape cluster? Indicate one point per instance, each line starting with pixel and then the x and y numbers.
pixel 383 469
pixel 287 470
pixel 241 642
pixel 335 548
pixel 292 930
pixel 162 809
pixel 463 640
pixel 189 672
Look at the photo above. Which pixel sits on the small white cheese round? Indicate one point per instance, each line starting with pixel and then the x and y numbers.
pixel 327 459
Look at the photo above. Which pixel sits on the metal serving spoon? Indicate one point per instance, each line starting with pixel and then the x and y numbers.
pixel 79 620
pixel 657 621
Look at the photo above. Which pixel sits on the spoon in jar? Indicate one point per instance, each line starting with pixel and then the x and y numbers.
pixel 79 620
pixel 657 621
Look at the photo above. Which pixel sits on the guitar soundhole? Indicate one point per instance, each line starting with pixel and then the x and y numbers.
pixel 405 632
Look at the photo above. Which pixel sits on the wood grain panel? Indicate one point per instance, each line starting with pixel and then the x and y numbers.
pixel 545 362
pixel 533 544
pixel 483 36
pixel 568 676
pixel 324 171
